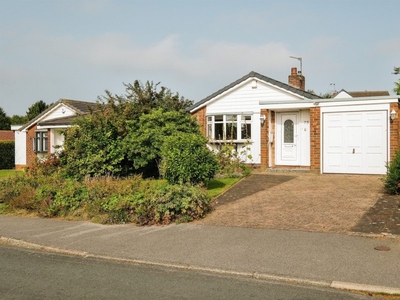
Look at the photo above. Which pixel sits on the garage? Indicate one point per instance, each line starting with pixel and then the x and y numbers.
pixel 355 142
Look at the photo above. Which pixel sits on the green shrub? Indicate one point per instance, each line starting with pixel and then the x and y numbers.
pixel 7 155
pixel 105 200
pixel 230 161
pixel 392 178
pixel 186 159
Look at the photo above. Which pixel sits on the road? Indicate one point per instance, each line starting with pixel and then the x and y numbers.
pixel 28 274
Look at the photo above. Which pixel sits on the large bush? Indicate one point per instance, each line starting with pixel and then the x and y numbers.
pixel 186 159
pixel 146 137
pixel 7 155
pixel 392 178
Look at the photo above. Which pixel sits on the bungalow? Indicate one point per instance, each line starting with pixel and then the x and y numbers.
pixel 282 126
pixel 40 136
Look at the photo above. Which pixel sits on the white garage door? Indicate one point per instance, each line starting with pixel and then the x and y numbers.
pixel 355 142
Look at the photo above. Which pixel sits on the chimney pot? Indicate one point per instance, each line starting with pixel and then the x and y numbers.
pixel 294 71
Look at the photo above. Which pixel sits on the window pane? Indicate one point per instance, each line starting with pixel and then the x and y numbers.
pixel 288 131
pixel 231 118
pixel 209 119
pixel 209 130
pixel 246 131
pixel 219 118
pixel 44 142
pixel 219 131
pixel 246 118
pixel 231 131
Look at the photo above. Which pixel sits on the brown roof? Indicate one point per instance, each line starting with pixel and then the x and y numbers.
pixel 80 107
pixel 357 94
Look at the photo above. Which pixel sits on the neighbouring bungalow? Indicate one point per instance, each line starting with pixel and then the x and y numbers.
pixel 40 137
pixel 275 125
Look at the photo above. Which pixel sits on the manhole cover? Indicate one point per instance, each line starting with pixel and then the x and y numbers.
pixel 382 248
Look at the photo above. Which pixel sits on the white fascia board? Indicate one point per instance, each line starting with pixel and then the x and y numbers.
pixel 53 126
pixel 16 127
pixel 286 105
pixel 328 102
pixel 355 101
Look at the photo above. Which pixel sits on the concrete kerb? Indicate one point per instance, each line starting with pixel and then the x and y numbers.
pixel 261 276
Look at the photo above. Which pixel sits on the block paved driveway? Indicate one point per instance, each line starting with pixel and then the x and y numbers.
pixel 308 202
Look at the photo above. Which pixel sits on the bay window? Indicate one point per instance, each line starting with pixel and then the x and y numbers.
pixel 232 127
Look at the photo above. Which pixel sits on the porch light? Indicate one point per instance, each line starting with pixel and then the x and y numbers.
pixel 262 119
pixel 392 115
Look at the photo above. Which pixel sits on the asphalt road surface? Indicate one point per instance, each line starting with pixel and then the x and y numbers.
pixel 28 274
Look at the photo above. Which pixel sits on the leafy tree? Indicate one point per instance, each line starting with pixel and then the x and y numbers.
pixel 146 137
pixel 5 122
pixel 397 87
pixel 145 97
pixel 36 109
pixel 18 120
pixel 106 141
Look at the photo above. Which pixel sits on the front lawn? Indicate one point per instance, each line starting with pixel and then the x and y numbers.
pixel 8 173
pixel 218 186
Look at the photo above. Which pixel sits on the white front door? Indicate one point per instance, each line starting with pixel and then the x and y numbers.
pixel 287 148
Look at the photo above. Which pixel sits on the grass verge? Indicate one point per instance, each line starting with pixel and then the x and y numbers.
pixel 217 186
pixel 8 173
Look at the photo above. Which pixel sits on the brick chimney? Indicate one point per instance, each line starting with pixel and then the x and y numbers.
pixel 297 80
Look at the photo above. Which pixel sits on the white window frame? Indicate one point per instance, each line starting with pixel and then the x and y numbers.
pixel 239 120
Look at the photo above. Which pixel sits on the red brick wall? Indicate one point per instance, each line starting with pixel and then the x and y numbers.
pixel 7 135
pixel 264 139
pixel 315 138
pixel 30 154
pixel 201 118
pixel 394 131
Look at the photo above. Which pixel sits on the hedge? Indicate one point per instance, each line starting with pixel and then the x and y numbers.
pixel 7 155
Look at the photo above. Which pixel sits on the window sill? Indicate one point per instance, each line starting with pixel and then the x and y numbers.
pixel 230 141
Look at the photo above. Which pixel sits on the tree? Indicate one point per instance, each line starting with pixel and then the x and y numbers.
pixel 397 87
pixel 36 109
pixel 145 97
pixel 105 141
pixel 145 139
pixel 5 122
pixel 18 120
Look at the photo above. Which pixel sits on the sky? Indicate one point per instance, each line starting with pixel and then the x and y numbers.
pixel 78 49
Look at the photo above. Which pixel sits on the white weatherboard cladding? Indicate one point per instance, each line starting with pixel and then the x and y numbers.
pixel 355 141
pixel 56 139
pixel 20 147
pixel 59 112
pixel 246 98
